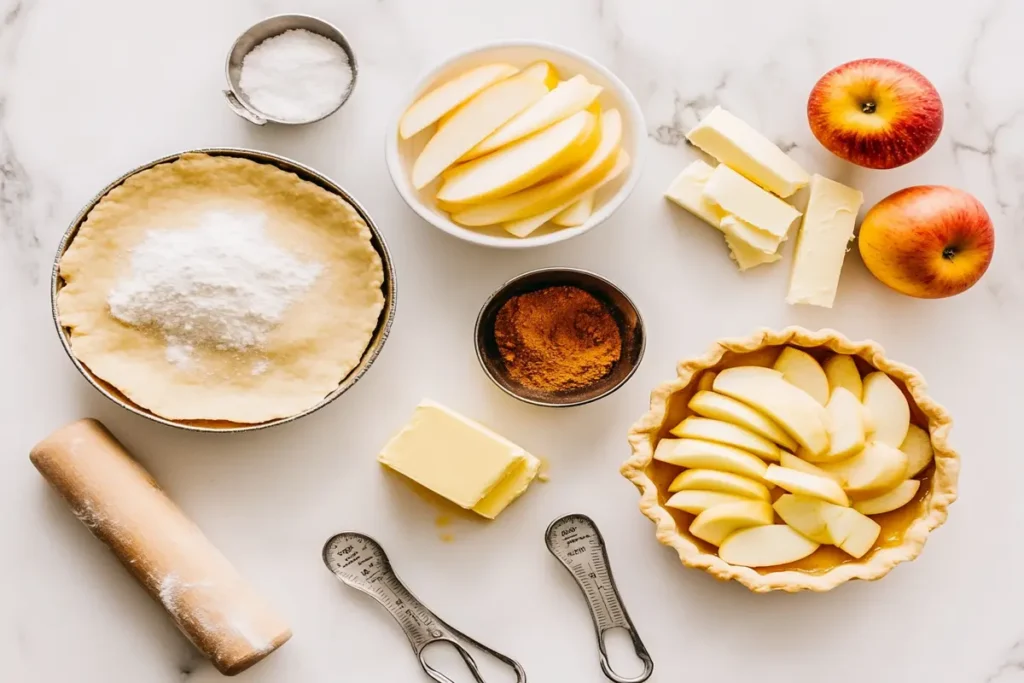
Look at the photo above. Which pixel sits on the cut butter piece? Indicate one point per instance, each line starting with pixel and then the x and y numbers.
pixel 734 142
pixel 687 191
pixel 738 196
pixel 822 242
pixel 459 459
pixel 740 251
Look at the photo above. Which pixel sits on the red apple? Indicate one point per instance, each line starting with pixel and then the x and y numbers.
pixel 928 241
pixel 875 113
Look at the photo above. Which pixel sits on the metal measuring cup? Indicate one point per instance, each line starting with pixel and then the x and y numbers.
pixel 268 28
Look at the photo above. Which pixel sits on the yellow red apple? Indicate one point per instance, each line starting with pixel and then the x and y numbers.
pixel 876 113
pixel 928 241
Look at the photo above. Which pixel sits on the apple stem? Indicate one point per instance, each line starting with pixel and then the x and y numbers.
pixel 868 107
pixel 948 253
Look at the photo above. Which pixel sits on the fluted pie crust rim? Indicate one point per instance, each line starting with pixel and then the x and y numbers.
pixel 643 439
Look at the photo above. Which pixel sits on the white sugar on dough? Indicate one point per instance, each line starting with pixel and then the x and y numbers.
pixel 319 339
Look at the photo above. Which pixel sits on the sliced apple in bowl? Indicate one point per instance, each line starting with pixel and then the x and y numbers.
pixel 801 370
pixel 876 469
pixel 717 523
pixel 730 434
pixel 717 480
pixel 766 546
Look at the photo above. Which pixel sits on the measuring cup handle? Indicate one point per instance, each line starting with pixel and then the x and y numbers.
pixel 457 638
pixel 242 111
pixel 641 653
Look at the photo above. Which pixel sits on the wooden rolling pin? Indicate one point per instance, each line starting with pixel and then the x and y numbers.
pixel 124 507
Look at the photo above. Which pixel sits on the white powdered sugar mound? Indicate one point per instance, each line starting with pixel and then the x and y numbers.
pixel 223 284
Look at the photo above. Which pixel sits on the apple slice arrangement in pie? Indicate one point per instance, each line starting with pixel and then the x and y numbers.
pixel 515 148
pixel 789 460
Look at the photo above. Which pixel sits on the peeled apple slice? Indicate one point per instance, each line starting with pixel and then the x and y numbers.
pixel 720 407
pixel 841 371
pixel 712 456
pixel 846 432
pixel 474 121
pixel 876 469
pixel 807 515
pixel 806 484
pixel 544 72
pixel 576 214
pixel 887 502
pixel 521 164
pixel 801 370
pixel 723 482
pixel 792 408
pixel 568 98
pixel 696 502
pixel 449 95
pixel 792 462
pixel 765 546
pixel 888 407
pixel 524 226
pixel 918 447
pixel 718 431
pixel 716 524
pixel 555 193
pixel 854 532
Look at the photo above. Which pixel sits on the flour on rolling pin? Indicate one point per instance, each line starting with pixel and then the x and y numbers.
pixel 219 612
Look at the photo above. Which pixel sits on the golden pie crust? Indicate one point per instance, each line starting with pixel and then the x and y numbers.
pixel 904 531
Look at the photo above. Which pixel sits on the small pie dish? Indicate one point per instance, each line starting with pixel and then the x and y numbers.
pixel 902 531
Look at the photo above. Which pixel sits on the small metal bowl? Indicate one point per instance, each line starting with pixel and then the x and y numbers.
pixel 268 28
pixel 373 348
pixel 625 312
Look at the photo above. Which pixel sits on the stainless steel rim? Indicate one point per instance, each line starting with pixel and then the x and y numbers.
pixel 373 349
pixel 537 402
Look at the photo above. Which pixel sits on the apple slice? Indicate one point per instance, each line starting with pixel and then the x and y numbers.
pixel 876 469
pixel 918 447
pixel 696 502
pixel 807 515
pixel 712 456
pixel 567 98
pixel 718 431
pixel 715 524
pixel 576 214
pixel 792 462
pixel 720 407
pixel 557 193
pixel 853 532
pixel 765 546
pixel 474 121
pixel 724 482
pixel 801 370
pixel 525 226
pixel 846 433
pixel 806 484
pixel 841 371
pixel 544 72
pixel 706 381
pixel 889 408
pixel 794 409
pixel 449 95
pixel 522 163
pixel 887 502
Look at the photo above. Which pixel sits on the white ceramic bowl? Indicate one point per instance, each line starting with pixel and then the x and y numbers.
pixel 402 153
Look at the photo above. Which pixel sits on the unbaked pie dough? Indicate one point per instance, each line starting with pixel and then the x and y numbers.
pixel 320 339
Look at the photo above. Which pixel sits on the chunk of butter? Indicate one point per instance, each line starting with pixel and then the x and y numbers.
pixel 743 250
pixel 736 195
pixel 687 190
pixel 822 242
pixel 459 459
pixel 734 142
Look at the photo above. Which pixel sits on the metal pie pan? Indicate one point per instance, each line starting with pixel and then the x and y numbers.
pixel 380 334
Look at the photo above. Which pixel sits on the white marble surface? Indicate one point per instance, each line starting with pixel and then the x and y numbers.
pixel 89 89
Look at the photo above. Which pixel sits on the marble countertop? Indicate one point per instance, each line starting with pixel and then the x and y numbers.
pixel 90 89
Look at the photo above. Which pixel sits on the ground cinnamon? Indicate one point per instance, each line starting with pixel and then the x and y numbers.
pixel 557 339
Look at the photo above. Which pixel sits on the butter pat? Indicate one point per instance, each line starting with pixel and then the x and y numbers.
pixel 736 195
pixel 733 142
pixel 822 242
pixel 687 190
pixel 459 459
pixel 745 253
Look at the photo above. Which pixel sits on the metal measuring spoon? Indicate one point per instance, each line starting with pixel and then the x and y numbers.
pixel 575 541
pixel 360 562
